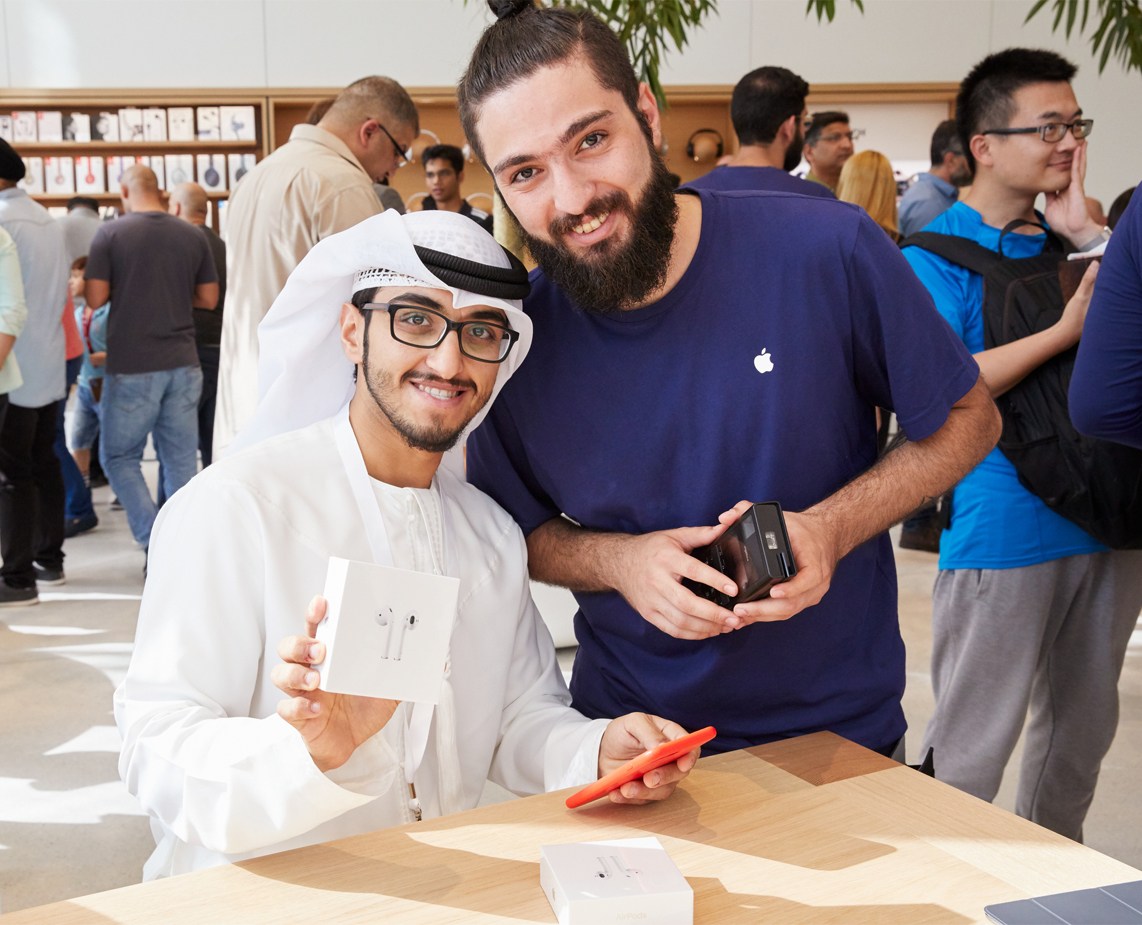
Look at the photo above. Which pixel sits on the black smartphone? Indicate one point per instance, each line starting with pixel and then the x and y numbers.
pixel 754 552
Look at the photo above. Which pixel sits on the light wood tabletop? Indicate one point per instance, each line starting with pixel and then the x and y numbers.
pixel 811 830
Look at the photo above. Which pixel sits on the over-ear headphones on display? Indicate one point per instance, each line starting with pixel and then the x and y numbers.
pixel 698 147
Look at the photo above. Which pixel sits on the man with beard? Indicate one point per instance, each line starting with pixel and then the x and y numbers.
pixel 767 109
pixel 364 388
pixel 692 350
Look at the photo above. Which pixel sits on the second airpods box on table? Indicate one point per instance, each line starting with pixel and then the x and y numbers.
pixel 386 631
pixel 627 880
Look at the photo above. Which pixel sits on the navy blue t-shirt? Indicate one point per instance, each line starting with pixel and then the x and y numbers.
pixel 1106 388
pixel 770 179
pixel 663 417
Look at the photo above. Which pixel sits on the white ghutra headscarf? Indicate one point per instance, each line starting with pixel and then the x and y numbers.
pixel 303 373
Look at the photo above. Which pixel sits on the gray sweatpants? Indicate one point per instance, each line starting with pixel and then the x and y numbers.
pixel 1051 637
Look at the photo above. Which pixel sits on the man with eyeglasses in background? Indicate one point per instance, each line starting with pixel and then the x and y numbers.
pixel 319 183
pixel 1028 608
pixel 828 144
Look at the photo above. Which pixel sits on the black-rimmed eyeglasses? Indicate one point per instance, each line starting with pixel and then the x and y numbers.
pixel 404 155
pixel 1050 132
pixel 486 341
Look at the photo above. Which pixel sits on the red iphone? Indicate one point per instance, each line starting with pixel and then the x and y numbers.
pixel 637 767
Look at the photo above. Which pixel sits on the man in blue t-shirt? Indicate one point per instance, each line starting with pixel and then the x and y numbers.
pixel 767 109
pixel 693 350
pixel 1028 608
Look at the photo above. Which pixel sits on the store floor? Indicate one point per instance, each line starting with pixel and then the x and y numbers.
pixel 68 826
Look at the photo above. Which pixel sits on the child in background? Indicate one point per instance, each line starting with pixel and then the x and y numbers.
pixel 86 418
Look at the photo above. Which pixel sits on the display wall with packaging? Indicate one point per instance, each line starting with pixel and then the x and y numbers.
pixel 79 142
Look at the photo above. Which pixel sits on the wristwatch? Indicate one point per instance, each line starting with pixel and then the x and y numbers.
pixel 1097 241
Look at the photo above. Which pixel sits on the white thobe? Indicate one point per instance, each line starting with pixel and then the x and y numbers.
pixel 236 557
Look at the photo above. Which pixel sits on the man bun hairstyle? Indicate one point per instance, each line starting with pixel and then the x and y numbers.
pixel 986 96
pixel 525 39
pixel 505 9
pixel 762 100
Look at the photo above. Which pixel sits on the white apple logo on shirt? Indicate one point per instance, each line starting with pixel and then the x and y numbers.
pixel 763 362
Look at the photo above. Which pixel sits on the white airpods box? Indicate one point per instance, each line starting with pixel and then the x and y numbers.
pixel 628 880
pixel 386 631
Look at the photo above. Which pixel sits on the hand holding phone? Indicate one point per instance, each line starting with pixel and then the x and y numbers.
pixel 754 551
pixel 641 765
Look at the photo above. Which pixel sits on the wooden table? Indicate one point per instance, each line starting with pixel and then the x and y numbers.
pixel 812 830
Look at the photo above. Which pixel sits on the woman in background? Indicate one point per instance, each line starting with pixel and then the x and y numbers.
pixel 867 180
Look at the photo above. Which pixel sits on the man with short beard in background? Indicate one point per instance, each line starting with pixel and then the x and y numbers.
pixel 937 190
pixel 767 109
pixel 694 349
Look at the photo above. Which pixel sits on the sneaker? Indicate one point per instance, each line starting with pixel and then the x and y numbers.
pixel 99 480
pixel 17 597
pixel 115 505
pixel 74 526
pixel 50 576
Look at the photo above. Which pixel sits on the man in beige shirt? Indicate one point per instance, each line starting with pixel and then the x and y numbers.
pixel 318 183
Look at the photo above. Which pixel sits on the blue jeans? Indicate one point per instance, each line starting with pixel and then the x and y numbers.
pixel 85 416
pixel 163 404
pixel 77 495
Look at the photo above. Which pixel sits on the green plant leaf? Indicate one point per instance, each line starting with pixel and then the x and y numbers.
pixel 827 9
pixel 1118 33
pixel 823 8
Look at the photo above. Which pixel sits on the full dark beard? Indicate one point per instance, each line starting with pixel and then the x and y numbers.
pixel 433 439
pixel 793 155
pixel 611 276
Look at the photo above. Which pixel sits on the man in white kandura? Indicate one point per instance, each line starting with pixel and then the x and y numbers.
pixel 363 390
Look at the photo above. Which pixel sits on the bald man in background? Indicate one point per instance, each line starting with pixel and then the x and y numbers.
pixel 155 270
pixel 188 201
pixel 318 183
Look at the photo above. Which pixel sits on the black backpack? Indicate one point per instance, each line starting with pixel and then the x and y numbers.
pixel 1094 483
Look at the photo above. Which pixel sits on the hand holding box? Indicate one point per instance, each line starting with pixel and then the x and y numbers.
pixel 386 631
